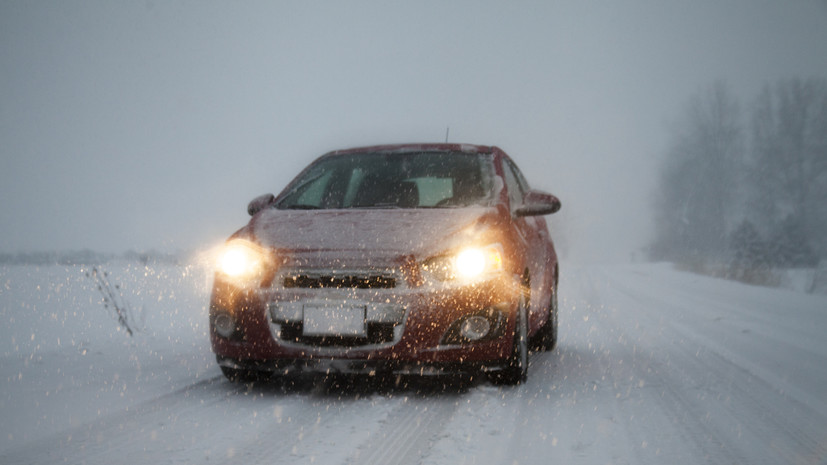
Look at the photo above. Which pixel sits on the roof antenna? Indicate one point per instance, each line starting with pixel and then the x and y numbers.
pixel 447 131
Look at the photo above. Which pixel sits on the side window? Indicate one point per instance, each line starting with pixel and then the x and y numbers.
pixel 519 175
pixel 512 183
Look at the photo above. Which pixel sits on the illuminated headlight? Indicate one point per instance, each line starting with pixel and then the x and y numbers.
pixel 468 264
pixel 241 259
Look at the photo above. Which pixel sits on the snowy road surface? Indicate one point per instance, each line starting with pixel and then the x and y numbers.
pixel 654 366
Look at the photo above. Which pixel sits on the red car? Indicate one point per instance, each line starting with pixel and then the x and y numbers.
pixel 411 259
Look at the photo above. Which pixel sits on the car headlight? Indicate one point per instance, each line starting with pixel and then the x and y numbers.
pixel 241 259
pixel 468 264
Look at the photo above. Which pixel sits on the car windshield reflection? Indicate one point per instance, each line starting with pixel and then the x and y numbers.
pixel 392 180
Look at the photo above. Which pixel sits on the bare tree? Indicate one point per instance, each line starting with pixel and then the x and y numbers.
pixel 697 195
pixel 789 160
pixel 113 299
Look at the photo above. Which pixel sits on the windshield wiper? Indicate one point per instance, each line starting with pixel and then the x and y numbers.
pixel 378 206
pixel 301 206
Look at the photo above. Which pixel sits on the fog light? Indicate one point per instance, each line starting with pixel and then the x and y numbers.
pixel 475 328
pixel 224 325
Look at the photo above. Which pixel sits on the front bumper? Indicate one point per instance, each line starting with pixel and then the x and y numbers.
pixel 373 367
pixel 410 330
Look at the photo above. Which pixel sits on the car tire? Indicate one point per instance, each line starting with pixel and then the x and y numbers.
pixel 237 375
pixel 515 370
pixel 547 336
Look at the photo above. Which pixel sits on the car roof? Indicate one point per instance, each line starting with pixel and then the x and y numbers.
pixel 419 147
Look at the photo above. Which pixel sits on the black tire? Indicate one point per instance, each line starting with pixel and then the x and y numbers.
pixel 515 370
pixel 237 375
pixel 547 336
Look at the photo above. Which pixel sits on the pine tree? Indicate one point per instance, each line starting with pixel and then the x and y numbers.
pixel 750 254
pixel 791 246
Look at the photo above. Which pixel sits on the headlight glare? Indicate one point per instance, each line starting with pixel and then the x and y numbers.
pixel 473 262
pixel 240 259
pixel 468 264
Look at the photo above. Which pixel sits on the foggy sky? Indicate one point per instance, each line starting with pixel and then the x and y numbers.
pixel 138 125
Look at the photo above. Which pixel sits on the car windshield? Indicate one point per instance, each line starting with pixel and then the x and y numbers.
pixel 392 180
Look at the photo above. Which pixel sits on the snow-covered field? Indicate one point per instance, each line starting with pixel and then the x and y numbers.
pixel 654 366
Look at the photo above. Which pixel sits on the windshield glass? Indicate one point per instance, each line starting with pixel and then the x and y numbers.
pixel 392 180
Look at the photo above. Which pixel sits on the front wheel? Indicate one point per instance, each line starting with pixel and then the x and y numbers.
pixel 547 336
pixel 515 370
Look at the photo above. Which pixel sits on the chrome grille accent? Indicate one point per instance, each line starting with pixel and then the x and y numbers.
pixel 339 279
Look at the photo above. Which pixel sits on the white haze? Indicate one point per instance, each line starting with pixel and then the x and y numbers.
pixel 150 125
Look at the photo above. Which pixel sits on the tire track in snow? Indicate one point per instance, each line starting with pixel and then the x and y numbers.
pixel 155 429
pixel 728 406
pixel 409 433
pixel 692 438
pixel 311 430
pixel 118 435
pixel 213 420
pixel 797 444
pixel 739 404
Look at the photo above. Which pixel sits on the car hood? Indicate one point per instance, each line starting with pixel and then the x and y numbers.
pixel 371 233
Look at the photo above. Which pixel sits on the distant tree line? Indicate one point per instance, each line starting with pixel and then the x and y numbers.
pixel 89 257
pixel 749 193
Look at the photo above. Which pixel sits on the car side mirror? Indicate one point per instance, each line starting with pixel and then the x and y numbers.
pixel 538 203
pixel 260 203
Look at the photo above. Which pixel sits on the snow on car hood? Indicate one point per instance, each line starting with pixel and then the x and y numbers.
pixel 379 232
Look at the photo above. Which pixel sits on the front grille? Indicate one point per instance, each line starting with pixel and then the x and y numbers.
pixel 338 281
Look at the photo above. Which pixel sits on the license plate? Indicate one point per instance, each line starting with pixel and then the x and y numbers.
pixel 334 321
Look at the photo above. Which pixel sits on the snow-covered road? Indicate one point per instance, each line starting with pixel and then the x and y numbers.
pixel 654 366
